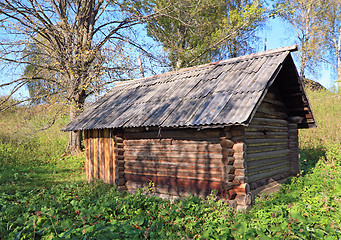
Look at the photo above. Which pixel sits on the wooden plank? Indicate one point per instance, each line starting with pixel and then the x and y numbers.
pixel 96 154
pixel 91 156
pixel 106 140
pixel 101 156
pixel 111 173
pixel 87 153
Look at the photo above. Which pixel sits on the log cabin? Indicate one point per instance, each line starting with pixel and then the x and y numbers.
pixel 229 126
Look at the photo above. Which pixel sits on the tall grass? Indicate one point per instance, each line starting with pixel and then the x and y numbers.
pixel 43 193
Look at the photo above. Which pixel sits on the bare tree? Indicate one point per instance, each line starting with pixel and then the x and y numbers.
pixel 306 17
pixel 332 30
pixel 78 42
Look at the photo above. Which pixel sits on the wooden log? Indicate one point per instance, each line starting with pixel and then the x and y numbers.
pixel 244 200
pixel 170 181
pixel 239 147
pixel 240 172
pixel 270 166
pixel 118 139
pixel 183 155
pixel 120 181
pixel 242 189
pixel 266 135
pixel 180 134
pixel 239 156
pixel 232 204
pixel 185 175
pixel 228 177
pixel 265 142
pixel 268 174
pixel 267 161
pixel 200 165
pixel 228 160
pixel 258 149
pixel 227 152
pixel 158 159
pixel 240 179
pixel 239 164
pixel 262 128
pixel 228 185
pixel 269 122
pixel 177 168
pixel 237 131
pixel 228 169
pixel 226 143
pixel 265 155
pixel 174 146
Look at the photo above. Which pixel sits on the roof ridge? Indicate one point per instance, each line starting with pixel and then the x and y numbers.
pixel 291 48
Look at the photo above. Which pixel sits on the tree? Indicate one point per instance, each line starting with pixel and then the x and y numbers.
pixel 332 31
pixel 70 45
pixel 196 32
pixel 306 17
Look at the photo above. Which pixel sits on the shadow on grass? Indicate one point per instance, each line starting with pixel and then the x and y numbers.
pixel 309 158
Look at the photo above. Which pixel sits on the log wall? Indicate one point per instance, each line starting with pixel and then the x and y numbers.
pixel 268 155
pixel 179 163
pixel 104 156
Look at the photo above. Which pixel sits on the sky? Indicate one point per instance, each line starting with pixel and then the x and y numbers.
pixel 277 33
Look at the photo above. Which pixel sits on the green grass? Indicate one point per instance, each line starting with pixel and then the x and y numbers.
pixel 43 194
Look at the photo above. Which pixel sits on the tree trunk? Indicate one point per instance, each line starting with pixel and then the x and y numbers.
pixel 339 74
pixel 75 137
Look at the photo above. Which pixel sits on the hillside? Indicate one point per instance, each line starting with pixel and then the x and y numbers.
pixel 45 196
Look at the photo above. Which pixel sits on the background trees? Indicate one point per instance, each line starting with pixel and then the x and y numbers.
pixel 69 46
pixel 305 16
pixel 196 32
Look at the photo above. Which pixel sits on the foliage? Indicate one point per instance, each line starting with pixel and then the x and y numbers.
pixel 44 194
pixel 332 30
pixel 72 46
pixel 306 18
pixel 195 32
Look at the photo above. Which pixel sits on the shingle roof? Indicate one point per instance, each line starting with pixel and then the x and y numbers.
pixel 221 93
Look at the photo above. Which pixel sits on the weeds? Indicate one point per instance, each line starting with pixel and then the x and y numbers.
pixel 44 194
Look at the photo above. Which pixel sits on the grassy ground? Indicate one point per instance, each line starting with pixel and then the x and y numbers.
pixel 44 194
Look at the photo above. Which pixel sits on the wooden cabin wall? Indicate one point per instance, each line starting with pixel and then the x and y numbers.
pixel 268 155
pixel 104 156
pixel 177 162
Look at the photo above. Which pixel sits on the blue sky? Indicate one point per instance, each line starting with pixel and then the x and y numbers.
pixel 280 34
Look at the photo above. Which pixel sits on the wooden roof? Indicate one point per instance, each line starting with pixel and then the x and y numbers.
pixel 217 94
